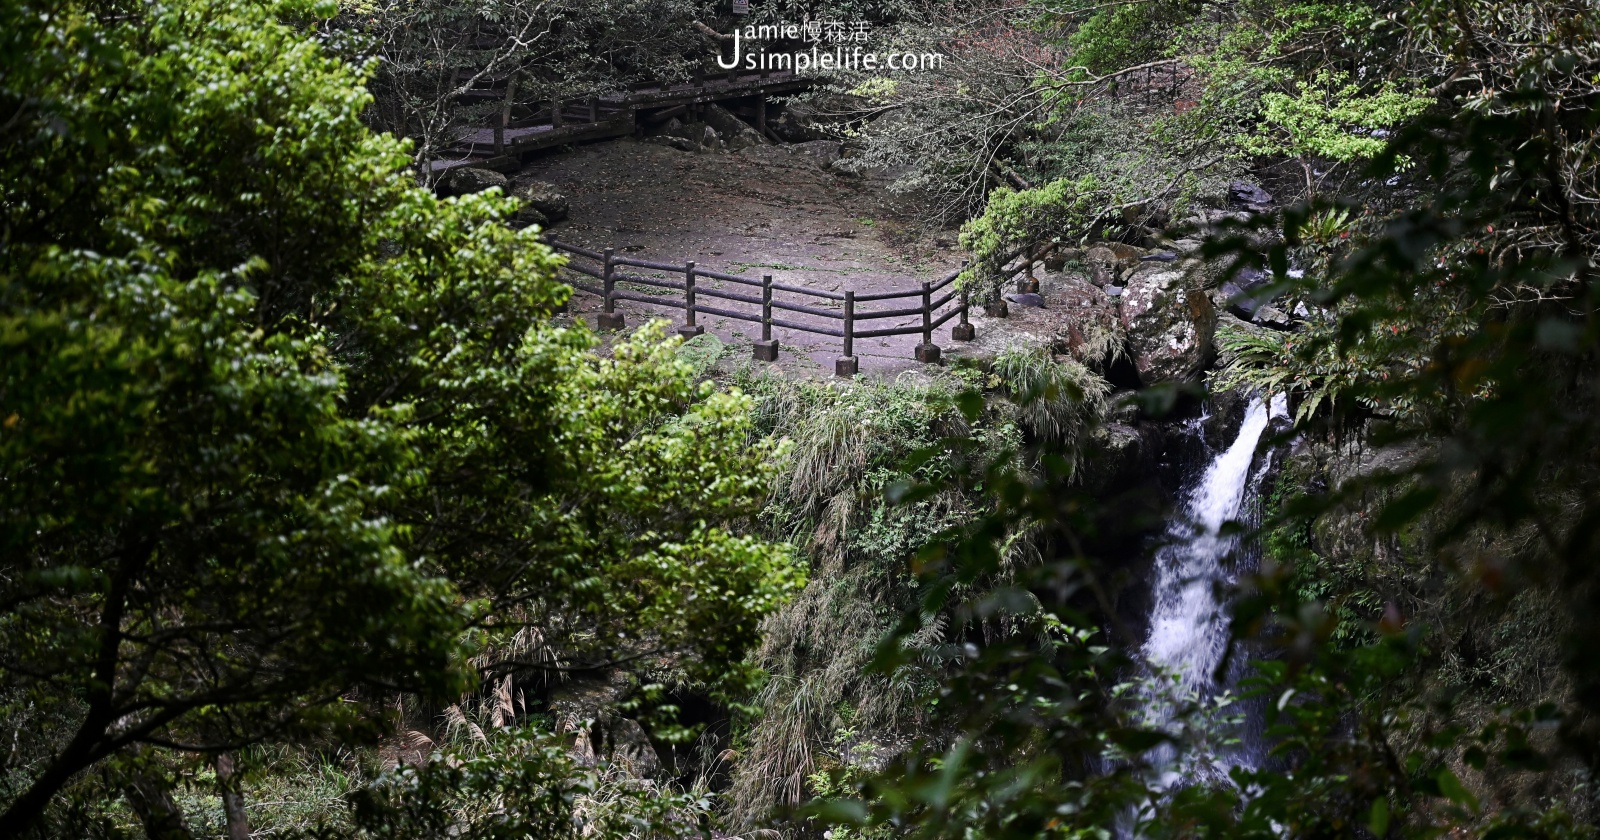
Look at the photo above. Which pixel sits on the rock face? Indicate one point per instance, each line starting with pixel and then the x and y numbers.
pixel 1170 324
pixel 465 180
pixel 542 202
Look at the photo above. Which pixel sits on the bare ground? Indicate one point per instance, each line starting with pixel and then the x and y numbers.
pixel 764 210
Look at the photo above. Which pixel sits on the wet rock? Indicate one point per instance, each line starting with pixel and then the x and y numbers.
pixel 1224 413
pixel 1028 299
pixel 1240 293
pixel 628 744
pixel 542 201
pixel 466 180
pixel 1057 258
pixel 1187 247
pixel 1170 323
pixel 1249 196
pixel 1119 458
pixel 1160 256
pixel 1272 316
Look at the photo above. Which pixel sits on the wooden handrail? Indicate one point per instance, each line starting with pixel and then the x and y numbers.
pixel 928 307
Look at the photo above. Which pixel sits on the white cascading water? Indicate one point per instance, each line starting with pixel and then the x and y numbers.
pixel 1188 625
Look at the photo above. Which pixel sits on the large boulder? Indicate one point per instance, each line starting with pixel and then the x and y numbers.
pixel 734 131
pixel 1088 327
pixel 542 199
pixel 466 180
pixel 1170 323
pixel 547 198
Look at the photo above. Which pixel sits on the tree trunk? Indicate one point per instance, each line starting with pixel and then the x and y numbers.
pixel 150 796
pixel 232 800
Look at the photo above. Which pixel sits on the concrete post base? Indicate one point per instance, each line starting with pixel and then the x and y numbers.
pixel 846 366
pixel 689 332
pixel 963 332
pixel 765 351
pixel 609 321
pixel 927 353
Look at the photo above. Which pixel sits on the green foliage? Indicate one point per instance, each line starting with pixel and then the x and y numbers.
pixel 855 448
pixel 1264 361
pixel 1015 218
pixel 280 428
pixel 519 783
pixel 1121 34
pixel 1330 117
pixel 1058 399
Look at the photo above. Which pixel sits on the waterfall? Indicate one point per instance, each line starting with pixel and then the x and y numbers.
pixel 1188 624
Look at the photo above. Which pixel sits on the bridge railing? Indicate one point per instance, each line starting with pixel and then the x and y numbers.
pixel 837 314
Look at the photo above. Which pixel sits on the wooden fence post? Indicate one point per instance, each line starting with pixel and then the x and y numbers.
pixel 689 329
pixel 848 365
pixel 927 352
pixel 1027 282
pixel 610 318
pixel 766 350
pixel 963 331
pixel 995 306
pixel 505 115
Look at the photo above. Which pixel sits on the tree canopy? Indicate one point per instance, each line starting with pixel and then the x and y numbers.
pixel 282 431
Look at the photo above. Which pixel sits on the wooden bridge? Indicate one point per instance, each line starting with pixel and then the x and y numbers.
pixel 503 146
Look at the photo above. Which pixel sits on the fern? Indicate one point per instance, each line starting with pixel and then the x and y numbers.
pixel 1314 373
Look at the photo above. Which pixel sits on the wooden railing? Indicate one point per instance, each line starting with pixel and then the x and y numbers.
pixel 935 305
